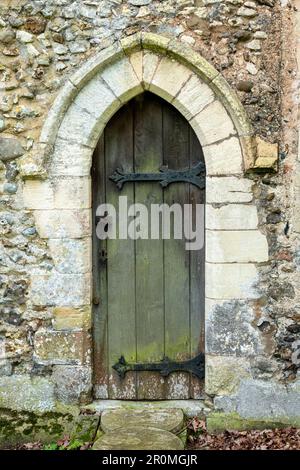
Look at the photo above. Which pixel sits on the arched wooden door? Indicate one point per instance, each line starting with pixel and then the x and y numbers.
pixel 148 294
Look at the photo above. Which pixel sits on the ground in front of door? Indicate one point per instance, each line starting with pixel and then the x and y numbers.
pixel 165 426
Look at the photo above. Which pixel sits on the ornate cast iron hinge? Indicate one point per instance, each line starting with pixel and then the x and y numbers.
pixel 165 367
pixel 195 175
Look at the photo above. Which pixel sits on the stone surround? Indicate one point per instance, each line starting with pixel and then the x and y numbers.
pixel 66 68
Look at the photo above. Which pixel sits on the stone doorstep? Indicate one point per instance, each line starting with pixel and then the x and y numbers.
pixel 141 428
pixel 169 419
pixel 138 438
pixel 131 425
pixel 128 425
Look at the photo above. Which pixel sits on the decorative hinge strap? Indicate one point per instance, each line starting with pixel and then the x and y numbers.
pixel 165 367
pixel 194 175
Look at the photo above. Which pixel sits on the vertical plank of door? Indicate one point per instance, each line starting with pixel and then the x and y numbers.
pixel 149 253
pixel 99 281
pixel 120 259
pixel 176 257
pixel 197 272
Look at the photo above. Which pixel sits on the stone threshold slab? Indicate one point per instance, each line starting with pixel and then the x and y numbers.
pixel 190 408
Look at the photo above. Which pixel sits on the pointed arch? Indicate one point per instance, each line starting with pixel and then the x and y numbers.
pixel 60 193
pixel 173 71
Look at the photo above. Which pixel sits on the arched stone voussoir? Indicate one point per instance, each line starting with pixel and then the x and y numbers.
pixel 224 158
pixel 97 102
pixel 143 61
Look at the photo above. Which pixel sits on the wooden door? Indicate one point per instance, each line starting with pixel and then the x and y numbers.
pixel 148 294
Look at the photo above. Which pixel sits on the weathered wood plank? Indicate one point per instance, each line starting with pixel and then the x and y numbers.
pixel 99 280
pixel 120 260
pixel 197 273
pixel 176 258
pixel 148 155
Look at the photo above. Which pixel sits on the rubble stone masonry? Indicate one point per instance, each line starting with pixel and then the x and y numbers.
pixel 232 68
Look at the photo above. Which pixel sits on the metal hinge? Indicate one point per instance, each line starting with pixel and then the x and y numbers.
pixel 194 175
pixel 165 367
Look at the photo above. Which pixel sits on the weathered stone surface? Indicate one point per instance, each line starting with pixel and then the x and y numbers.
pixel 168 419
pixel 252 69
pixel 126 88
pixel 254 45
pixel 190 408
pixel 226 404
pixel 10 188
pixel 78 122
pixel 224 374
pixel 245 85
pixel 5 365
pixel 169 78
pixel 139 2
pixel 59 193
pixel 72 193
pixel 21 392
pixel 85 427
pixel 136 60
pixel 220 422
pixel 237 113
pixel 38 195
pixel 71 256
pixel 231 217
pixel 297 199
pixel 213 124
pixel 193 97
pixel 261 399
pixel 60 49
pixel 224 158
pixel 155 42
pixel 230 330
pixel 70 159
pixel 58 289
pixel 187 55
pixel 7 35
pixel 35 24
pixel 73 384
pixel 63 223
pixel 10 149
pixel 71 317
pixel 138 438
pixel 267 155
pixel 131 44
pixel 27 426
pixel 62 347
pixel 150 63
pixel 231 281
pixel 88 114
pixel 249 246
pixel 248 12
pixel 228 189
pixel 24 37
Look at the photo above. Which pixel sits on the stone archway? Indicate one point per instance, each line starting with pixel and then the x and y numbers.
pixel 61 200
